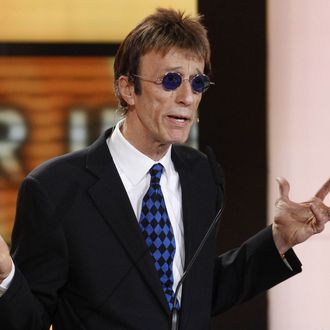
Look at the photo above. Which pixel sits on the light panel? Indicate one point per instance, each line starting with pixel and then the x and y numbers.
pixel 77 21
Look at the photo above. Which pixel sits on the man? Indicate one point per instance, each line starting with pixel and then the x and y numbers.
pixel 102 236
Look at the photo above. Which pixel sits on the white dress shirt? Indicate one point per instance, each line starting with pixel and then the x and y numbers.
pixel 133 168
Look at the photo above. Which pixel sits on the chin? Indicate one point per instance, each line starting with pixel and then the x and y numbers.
pixel 176 138
pixel 179 140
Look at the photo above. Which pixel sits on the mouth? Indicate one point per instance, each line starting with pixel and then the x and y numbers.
pixel 179 118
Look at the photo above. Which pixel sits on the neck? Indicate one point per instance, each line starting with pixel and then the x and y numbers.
pixel 155 151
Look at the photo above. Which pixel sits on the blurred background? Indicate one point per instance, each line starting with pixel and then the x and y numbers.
pixel 267 115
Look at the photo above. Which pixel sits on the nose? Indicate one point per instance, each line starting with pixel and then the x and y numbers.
pixel 184 93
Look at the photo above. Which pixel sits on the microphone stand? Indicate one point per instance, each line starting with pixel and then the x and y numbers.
pixel 175 312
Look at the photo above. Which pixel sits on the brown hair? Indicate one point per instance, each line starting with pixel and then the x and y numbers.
pixel 161 31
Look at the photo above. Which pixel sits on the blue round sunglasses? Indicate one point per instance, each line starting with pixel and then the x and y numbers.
pixel 172 80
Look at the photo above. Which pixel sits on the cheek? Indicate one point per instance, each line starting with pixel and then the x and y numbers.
pixel 154 104
pixel 158 108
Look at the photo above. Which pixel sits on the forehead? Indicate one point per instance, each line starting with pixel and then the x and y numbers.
pixel 175 58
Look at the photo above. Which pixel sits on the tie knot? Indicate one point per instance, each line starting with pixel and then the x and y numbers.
pixel 156 172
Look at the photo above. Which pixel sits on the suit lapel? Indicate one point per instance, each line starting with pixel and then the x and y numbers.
pixel 188 202
pixel 189 210
pixel 193 232
pixel 111 200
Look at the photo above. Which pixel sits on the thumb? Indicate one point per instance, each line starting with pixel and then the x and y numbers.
pixel 284 187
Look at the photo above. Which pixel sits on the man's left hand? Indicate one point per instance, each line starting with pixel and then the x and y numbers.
pixel 296 222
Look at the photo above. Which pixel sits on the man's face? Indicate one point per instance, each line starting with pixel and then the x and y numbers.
pixel 160 117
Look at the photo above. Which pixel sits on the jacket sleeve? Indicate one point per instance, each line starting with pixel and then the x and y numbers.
pixel 40 255
pixel 256 266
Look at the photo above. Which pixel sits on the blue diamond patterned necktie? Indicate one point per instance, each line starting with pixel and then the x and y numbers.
pixel 158 232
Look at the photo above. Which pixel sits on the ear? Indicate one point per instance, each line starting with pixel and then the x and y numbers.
pixel 126 90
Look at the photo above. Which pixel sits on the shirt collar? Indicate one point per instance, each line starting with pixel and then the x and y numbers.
pixel 133 163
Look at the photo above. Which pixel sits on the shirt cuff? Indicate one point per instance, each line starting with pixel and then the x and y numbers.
pixel 4 285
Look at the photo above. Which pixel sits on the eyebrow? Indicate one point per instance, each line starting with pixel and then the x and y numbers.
pixel 178 68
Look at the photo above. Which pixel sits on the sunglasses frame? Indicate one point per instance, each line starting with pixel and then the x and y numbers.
pixel 160 80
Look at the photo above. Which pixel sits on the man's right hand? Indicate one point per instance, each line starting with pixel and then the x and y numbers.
pixel 5 260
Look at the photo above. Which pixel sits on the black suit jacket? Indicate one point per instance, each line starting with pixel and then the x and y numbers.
pixel 82 263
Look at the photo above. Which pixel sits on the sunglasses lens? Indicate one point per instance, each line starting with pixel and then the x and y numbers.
pixel 171 81
pixel 200 83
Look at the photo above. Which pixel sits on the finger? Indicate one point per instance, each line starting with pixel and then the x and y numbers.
pixel 321 212
pixel 5 260
pixel 284 187
pixel 288 209
pixel 324 191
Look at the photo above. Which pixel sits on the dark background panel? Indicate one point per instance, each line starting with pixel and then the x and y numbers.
pixel 233 122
